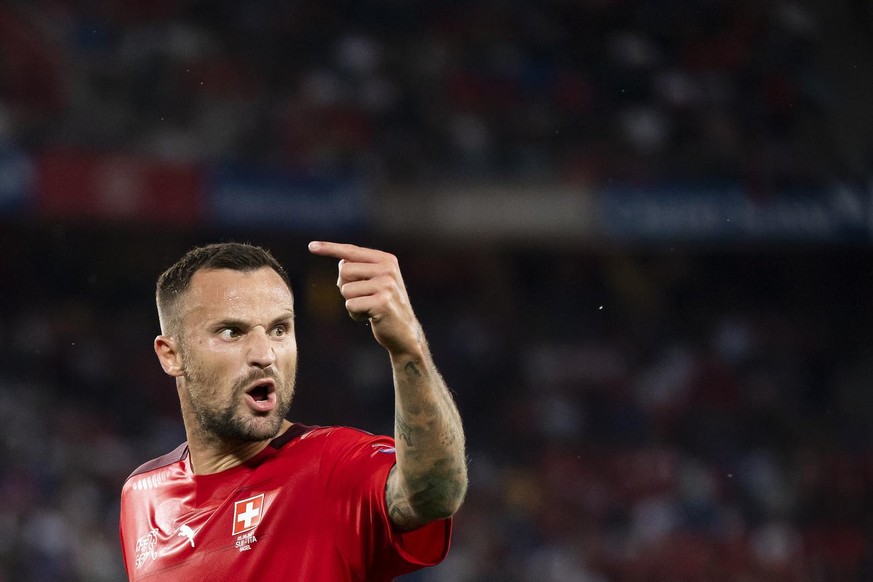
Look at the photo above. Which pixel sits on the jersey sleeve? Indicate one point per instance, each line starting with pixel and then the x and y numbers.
pixel 355 481
pixel 122 540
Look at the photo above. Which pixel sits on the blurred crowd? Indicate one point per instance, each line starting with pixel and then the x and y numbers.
pixel 419 91
pixel 630 417
pixel 676 415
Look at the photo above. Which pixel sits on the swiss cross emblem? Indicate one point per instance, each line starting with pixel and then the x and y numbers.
pixel 247 514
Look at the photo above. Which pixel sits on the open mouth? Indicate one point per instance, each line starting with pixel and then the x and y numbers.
pixel 260 393
pixel 261 396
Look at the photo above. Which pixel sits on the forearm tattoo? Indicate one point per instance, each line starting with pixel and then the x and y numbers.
pixel 402 431
pixel 430 478
pixel 413 369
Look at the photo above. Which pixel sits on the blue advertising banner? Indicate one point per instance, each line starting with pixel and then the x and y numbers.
pixel 283 199
pixel 16 179
pixel 727 214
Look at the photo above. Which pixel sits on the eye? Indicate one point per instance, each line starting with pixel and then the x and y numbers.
pixel 280 330
pixel 229 333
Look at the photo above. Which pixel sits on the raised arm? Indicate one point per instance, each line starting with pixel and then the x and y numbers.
pixel 429 480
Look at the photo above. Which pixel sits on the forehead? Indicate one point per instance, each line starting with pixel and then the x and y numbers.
pixel 240 294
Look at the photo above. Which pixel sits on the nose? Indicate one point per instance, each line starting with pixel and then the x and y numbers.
pixel 260 349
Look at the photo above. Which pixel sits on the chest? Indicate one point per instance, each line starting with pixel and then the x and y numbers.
pixel 185 530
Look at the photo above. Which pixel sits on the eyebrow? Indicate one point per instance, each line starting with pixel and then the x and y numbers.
pixel 288 317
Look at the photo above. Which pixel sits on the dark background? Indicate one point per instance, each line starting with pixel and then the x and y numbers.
pixel 638 234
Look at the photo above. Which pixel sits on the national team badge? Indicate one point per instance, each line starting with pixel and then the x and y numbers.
pixel 247 514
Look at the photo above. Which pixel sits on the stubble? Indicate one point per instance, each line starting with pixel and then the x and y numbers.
pixel 221 414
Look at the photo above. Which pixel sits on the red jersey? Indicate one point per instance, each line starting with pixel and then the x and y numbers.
pixel 310 506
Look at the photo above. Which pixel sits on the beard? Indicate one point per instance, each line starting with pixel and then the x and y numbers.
pixel 227 420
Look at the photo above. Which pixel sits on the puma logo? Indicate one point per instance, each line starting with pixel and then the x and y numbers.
pixel 187 532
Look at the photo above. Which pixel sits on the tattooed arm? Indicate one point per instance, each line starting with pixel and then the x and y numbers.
pixel 429 480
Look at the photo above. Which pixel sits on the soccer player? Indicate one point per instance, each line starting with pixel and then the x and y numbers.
pixel 253 496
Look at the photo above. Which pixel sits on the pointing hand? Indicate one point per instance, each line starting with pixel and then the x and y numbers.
pixel 370 282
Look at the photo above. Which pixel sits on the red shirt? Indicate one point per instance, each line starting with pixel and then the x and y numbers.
pixel 310 506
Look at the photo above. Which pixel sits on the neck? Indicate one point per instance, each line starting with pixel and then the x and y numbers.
pixel 209 454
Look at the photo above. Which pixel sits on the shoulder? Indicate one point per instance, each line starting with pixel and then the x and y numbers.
pixel 174 456
pixel 346 436
pixel 328 434
pixel 335 440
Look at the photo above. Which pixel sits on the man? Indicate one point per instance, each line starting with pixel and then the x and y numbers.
pixel 252 496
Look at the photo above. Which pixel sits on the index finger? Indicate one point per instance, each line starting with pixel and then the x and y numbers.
pixel 347 252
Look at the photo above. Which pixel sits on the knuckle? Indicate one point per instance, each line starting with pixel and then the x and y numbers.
pixel 386 296
pixel 387 288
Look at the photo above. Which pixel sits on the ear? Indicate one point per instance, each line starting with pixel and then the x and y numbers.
pixel 167 351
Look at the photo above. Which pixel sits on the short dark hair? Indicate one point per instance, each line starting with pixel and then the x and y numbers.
pixel 244 257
